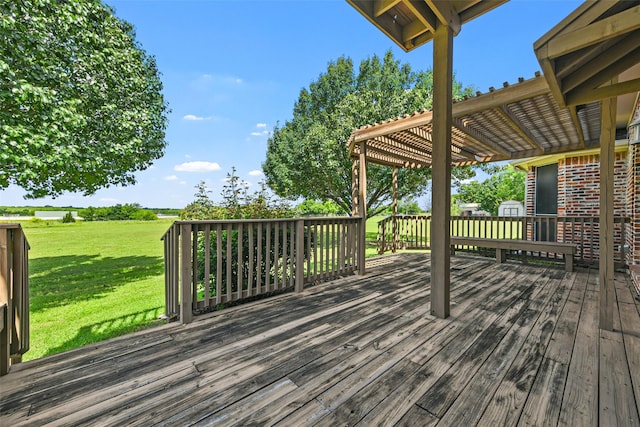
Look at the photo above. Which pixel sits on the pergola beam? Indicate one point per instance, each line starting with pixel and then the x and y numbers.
pixel 494 99
pixel 518 127
pixel 573 111
pixel 446 14
pixel 423 14
pixel 588 35
pixel 382 6
pixel 480 139
pixel 603 92
pixel 595 66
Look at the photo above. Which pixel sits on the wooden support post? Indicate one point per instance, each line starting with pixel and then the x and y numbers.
pixel 186 309
pixel 299 255
pixel 441 171
pixel 394 205
pixel 354 187
pixel 362 208
pixel 607 159
pixel 6 299
pixel 5 337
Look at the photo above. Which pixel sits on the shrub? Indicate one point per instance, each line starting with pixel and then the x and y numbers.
pixel 144 215
pixel 68 218
pixel 129 211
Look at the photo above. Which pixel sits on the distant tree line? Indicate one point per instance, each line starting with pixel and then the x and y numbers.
pixel 129 211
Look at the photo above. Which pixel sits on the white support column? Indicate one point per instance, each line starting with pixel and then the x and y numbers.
pixel 441 171
pixel 362 208
pixel 607 159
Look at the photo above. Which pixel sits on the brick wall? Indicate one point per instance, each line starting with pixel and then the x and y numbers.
pixel 633 205
pixel 579 195
pixel 633 199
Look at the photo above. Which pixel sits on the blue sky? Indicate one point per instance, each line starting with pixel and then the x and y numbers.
pixel 233 69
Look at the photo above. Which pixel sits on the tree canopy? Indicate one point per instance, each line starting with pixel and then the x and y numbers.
pixel 307 156
pixel 81 106
pixel 506 183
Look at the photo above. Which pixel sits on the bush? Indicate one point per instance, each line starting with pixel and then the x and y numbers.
pixel 68 218
pixel 315 207
pixel 144 215
pixel 129 211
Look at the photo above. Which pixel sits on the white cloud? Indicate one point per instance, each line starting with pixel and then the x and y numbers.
pixel 194 118
pixel 261 125
pixel 171 178
pixel 256 173
pixel 197 167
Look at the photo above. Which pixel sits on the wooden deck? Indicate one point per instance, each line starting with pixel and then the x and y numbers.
pixel 522 347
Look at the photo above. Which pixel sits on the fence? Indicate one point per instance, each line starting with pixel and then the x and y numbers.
pixel 208 263
pixel 413 232
pixel 14 296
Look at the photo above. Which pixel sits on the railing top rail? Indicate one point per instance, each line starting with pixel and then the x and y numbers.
pixel 260 221
pixel 263 220
pixel 14 226
pixel 405 216
pixel 10 226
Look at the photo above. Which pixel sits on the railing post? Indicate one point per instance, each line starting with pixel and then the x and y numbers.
pixel 5 300
pixel 186 309
pixel 5 335
pixel 299 286
pixel 20 294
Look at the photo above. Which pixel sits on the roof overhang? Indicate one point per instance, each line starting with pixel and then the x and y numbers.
pixel 593 53
pixel 412 23
pixel 621 146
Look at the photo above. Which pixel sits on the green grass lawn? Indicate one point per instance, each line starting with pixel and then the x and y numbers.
pixel 92 281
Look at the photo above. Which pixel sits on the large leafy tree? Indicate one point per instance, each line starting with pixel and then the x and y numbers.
pixel 81 106
pixel 505 183
pixel 307 156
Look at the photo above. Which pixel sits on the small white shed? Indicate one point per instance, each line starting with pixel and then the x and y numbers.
pixel 511 208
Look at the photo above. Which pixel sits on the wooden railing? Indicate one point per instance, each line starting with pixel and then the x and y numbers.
pixel 404 232
pixel 208 263
pixel 413 232
pixel 14 296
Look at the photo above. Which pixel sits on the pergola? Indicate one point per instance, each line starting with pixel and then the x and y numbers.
pixel 590 61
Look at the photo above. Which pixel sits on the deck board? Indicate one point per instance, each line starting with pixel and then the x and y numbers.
pixel 521 347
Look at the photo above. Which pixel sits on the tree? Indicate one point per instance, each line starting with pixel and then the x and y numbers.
pixel 81 106
pixel 307 156
pixel 316 207
pixel 507 183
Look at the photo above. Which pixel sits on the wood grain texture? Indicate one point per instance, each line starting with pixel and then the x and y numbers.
pixel 521 347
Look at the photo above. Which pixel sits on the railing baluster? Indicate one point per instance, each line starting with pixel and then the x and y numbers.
pixel 240 261
pixel 267 271
pixel 207 265
pixel 259 260
pixel 218 264
pixel 194 268
pixel 229 262
pixel 252 253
